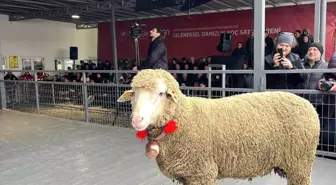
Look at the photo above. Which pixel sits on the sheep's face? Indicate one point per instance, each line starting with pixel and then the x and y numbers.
pixel 147 105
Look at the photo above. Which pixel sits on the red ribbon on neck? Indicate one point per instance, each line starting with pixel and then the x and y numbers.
pixel 169 128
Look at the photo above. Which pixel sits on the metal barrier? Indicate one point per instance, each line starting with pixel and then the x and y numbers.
pixel 96 102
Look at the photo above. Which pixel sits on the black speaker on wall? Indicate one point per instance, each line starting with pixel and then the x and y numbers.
pixel 73 53
pixel 225 43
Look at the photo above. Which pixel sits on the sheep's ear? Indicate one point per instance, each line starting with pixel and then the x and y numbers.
pixel 171 95
pixel 126 96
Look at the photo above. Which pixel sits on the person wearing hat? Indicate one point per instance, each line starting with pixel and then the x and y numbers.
pixel 313 60
pixel 157 54
pixel 286 41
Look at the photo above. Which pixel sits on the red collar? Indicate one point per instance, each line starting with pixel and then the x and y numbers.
pixel 169 128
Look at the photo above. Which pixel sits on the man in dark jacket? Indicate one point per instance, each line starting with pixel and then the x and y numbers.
pixel 157 54
pixel 313 60
pixel 287 62
pixel 269 45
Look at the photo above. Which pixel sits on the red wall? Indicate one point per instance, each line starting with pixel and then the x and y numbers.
pixel 201 32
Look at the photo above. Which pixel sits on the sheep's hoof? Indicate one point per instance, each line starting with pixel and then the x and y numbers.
pixel 250 179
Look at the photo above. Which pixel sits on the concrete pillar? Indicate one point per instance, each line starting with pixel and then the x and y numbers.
pixel 317 21
pixel 2 84
pixel 114 40
pixel 259 44
pixel 323 24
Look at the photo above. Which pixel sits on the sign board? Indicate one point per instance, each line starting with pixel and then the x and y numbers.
pixel 13 62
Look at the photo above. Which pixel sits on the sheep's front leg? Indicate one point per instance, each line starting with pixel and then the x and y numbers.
pixel 200 182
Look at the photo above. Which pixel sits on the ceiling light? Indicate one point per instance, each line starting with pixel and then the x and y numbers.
pixel 75 16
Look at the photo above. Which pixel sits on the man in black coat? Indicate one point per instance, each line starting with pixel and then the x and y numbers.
pixel 269 45
pixel 157 54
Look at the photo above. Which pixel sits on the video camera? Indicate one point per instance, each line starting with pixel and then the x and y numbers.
pixel 136 30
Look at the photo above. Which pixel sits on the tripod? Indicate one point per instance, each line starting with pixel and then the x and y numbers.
pixel 136 50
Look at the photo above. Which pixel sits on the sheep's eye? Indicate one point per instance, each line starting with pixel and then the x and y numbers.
pixel 132 95
pixel 161 94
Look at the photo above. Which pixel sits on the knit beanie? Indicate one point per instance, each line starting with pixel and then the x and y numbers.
pixel 318 46
pixel 285 38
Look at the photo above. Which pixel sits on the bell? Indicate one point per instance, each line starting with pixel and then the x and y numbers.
pixel 152 150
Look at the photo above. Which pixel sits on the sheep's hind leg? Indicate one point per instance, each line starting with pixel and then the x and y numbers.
pixel 299 174
pixel 299 178
pixel 299 182
pixel 200 182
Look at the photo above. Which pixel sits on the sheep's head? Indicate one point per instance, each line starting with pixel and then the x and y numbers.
pixel 152 92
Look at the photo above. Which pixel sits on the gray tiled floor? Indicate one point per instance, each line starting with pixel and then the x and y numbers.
pixel 43 150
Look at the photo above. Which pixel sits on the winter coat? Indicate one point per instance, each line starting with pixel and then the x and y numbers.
pixel 284 81
pixel 157 56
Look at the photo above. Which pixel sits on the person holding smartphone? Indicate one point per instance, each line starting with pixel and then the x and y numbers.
pixel 282 58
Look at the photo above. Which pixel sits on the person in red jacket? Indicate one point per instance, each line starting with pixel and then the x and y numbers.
pixel 27 77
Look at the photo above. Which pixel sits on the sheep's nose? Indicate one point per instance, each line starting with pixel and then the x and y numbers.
pixel 136 120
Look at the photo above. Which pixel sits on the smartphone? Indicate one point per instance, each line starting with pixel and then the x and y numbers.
pixel 280 51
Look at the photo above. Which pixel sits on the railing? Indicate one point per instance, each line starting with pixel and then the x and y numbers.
pixel 96 102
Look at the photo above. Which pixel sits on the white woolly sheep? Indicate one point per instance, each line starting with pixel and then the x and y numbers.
pixel 241 137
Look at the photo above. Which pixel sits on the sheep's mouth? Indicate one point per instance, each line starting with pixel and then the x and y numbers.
pixel 148 128
pixel 141 128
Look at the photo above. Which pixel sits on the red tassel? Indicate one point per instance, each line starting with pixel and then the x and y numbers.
pixel 141 134
pixel 170 127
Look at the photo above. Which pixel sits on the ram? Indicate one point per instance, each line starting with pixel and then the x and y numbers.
pixel 197 140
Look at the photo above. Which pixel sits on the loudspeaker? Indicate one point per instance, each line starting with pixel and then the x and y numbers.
pixel 73 53
pixel 225 43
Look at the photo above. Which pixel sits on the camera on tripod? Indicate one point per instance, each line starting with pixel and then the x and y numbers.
pixel 326 85
pixel 136 30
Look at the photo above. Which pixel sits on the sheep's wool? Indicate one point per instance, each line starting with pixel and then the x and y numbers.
pixel 241 136
pixel 146 80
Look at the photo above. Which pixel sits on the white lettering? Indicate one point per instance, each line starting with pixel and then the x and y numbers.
pixel 232 32
pixel 210 33
pixel 216 31
pixel 244 32
pixel 145 34
pixel 188 34
pixel 273 30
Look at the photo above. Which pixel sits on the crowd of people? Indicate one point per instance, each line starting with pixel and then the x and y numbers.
pixel 299 51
